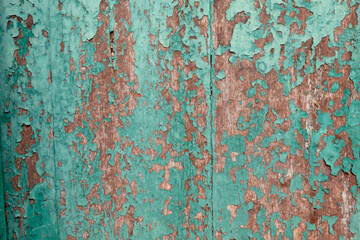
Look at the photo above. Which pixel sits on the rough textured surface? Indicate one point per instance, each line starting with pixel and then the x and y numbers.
pixel 186 119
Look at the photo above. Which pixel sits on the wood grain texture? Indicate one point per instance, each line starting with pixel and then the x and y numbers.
pixel 226 119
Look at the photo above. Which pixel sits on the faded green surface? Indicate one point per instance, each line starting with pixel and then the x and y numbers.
pixel 174 120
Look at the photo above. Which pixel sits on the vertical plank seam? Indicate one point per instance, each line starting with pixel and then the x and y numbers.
pixel 210 44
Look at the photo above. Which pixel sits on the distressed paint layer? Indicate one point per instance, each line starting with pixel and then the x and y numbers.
pixel 175 120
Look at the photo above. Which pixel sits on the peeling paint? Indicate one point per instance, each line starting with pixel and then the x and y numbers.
pixel 187 119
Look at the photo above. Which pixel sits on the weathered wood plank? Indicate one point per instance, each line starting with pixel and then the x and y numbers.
pixel 184 119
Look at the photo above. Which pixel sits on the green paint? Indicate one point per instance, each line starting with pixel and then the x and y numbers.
pixel 331 221
pixel 132 120
pixel 296 183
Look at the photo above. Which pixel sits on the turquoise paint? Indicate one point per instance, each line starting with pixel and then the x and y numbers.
pixel 296 183
pixel 331 221
pixel 128 144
